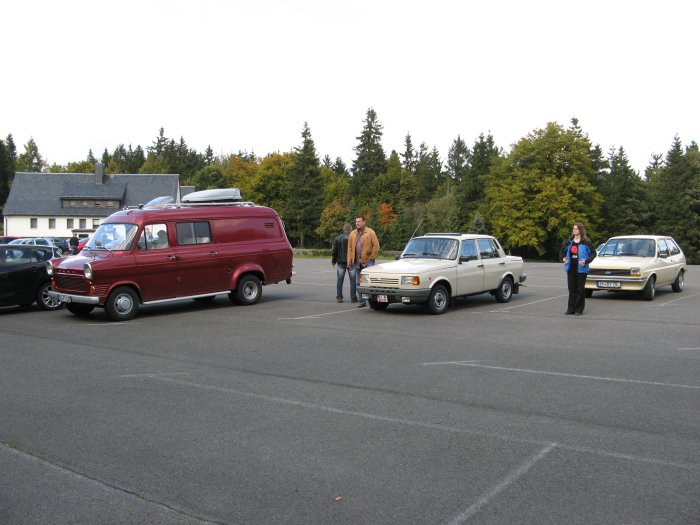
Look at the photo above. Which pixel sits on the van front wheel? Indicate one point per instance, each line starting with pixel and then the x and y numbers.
pixel 122 304
pixel 248 291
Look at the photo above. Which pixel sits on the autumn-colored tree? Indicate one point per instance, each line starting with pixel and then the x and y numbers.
pixel 541 189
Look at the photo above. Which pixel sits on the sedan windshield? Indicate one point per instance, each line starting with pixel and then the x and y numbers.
pixel 629 247
pixel 428 248
pixel 113 237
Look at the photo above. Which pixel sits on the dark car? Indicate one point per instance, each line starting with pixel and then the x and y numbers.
pixel 23 277
pixel 6 239
pixel 61 243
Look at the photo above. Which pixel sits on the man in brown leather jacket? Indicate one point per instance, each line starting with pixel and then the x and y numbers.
pixel 363 246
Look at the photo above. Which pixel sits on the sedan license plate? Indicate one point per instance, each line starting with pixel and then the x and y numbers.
pixel 607 284
pixel 382 299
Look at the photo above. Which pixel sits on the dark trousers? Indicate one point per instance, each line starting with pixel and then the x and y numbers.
pixel 577 292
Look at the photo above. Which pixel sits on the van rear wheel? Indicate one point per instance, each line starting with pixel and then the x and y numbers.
pixel 248 291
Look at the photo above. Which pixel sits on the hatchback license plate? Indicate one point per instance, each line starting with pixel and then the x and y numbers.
pixel 607 284
pixel 382 299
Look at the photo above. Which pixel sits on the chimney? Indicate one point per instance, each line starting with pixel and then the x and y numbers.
pixel 99 173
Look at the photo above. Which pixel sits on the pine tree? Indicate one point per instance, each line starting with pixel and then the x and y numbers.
pixel 458 157
pixel 409 155
pixel 302 212
pixel 30 160
pixel 625 208
pixel 6 173
pixel 371 159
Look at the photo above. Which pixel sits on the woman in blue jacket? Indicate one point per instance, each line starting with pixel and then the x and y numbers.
pixel 576 254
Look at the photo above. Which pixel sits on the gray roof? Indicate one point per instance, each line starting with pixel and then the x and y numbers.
pixel 41 193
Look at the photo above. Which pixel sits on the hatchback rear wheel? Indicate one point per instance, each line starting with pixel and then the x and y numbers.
pixel 679 282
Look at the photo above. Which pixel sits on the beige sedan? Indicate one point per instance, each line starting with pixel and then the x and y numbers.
pixel 639 263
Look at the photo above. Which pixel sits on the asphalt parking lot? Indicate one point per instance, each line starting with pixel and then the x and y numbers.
pixel 303 410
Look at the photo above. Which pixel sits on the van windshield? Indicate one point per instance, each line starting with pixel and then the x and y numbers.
pixel 113 237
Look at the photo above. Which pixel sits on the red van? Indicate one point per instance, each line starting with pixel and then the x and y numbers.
pixel 192 250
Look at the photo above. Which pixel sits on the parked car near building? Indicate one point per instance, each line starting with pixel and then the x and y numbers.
pixel 436 267
pixel 23 276
pixel 639 263
pixel 61 242
pixel 194 250
pixel 7 239
pixel 38 241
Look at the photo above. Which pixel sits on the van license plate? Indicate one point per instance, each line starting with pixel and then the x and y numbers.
pixel 64 298
pixel 607 284
pixel 382 299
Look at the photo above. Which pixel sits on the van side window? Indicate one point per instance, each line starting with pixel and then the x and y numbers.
pixel 153 237
pixel 193 233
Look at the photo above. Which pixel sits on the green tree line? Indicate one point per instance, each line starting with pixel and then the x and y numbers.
pixel 528 197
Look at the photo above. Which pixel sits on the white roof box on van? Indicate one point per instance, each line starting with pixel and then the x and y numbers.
pixel 212 196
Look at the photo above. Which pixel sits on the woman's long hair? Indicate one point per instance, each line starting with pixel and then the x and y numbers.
pixel 582 231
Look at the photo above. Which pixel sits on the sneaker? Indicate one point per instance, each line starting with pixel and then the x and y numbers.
pixel 362 305
pixel 578 313
pixel 354 300
pixel 339 299
pixel 568 312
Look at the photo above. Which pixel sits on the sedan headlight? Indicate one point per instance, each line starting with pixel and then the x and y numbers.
pixel 87 270
pixel 635 272
pixel 410 279
pixel 49 268
pixel 364 279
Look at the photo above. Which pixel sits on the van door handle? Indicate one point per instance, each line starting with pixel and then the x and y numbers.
pixel 213 253
pixel 171 257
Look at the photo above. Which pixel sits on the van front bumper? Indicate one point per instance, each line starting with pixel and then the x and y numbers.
pixel 70 298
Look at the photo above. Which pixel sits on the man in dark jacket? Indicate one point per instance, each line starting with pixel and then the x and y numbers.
pixel 340 257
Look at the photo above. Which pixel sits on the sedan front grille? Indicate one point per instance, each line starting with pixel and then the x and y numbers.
pixel 384 281
pixel 608 272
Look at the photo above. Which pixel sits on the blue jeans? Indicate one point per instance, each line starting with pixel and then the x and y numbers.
pixel 370 262
pixel 340 270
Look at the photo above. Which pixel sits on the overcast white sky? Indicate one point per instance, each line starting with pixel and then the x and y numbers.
pixel 245 75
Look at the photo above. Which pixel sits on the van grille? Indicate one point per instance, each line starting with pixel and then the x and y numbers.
pixel 70 283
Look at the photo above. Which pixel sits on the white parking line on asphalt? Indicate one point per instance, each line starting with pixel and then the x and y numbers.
pixel 563 374
pixel 428 426
pixel 511 478
pixel 527 304
pixel 314 316
pixel 678 299
pixel 688 348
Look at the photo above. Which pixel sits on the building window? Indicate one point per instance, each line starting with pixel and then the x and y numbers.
pixel 95 223
pixel 110 204
pixel 33 223
pixel 85 204
pixel 52 224
pixel 69 224
pixel 82 224
pixel 97 204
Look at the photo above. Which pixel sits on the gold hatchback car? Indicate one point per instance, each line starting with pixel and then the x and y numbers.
pixel 640 263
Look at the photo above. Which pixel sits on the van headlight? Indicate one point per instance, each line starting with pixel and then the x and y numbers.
pixel 87 270
pixel 364 279
pixel 49 268
pixel 635 272
pixel 410 279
